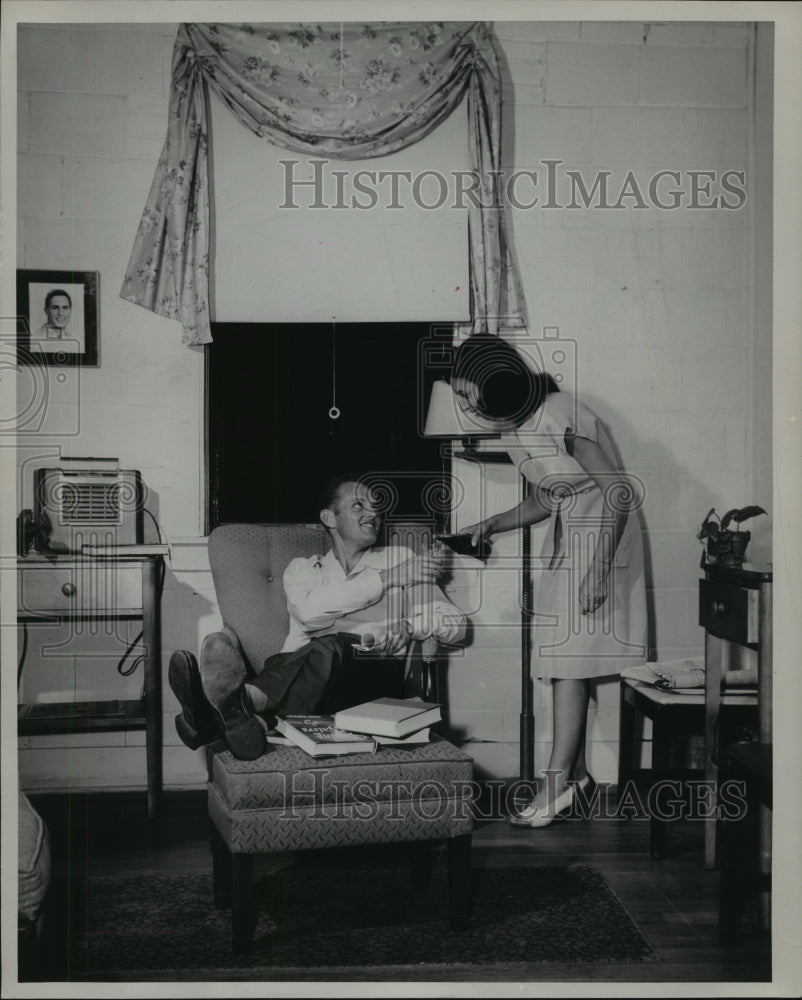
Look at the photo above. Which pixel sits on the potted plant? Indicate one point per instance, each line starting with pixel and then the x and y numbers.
pixel 724 546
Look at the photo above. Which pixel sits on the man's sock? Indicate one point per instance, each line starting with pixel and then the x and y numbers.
pixel 258 698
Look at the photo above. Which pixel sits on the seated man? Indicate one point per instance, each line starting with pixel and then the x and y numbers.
pixel 379 598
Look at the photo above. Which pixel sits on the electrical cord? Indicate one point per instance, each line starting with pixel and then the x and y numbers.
pixel 122 670
pixel 23 653
pixel 156 525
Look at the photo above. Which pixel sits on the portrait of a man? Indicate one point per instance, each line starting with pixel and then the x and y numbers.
pixel 58 312
pixel 58 316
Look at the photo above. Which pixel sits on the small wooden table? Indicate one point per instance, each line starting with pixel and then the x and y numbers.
pixel 74 588
pixel 735 610
pixel 674 718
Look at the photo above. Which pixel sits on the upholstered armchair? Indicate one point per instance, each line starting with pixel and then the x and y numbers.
pixel 248 561
pixel 289 801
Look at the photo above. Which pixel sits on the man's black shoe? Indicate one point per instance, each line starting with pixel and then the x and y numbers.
pixel 196 725
pixel 222 677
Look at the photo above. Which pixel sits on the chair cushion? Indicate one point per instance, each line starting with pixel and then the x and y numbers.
pixel 248 563
pixel 33 867
pixel 288 771
pixel 287 800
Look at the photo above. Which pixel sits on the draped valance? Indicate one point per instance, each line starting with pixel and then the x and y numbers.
pixel 349 91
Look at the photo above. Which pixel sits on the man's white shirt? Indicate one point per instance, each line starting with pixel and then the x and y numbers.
pixel 323 599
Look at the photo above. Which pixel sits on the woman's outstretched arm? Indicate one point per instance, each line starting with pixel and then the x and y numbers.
pixel 528 511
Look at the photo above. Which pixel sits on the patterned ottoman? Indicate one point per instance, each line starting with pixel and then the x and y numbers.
pixel 289 801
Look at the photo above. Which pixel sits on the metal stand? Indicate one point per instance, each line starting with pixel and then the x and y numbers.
pixel 527 727
pixel 526 789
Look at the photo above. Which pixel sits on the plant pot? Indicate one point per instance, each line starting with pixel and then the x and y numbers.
pixel 728 548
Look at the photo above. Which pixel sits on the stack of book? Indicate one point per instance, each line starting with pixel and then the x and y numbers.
pixel 361 729
pixel 319 737
pixel 397 721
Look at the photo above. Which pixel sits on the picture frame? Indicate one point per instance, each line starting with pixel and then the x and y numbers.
pixel 57 318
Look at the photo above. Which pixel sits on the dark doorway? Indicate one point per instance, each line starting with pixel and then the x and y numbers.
pixel 273 442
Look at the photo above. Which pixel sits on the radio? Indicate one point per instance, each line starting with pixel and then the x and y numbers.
pixel 90 501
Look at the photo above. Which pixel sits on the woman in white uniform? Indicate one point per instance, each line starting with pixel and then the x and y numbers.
pixel 591 601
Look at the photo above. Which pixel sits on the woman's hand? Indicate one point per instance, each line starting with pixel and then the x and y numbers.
pixel 480 531
pixel 593 590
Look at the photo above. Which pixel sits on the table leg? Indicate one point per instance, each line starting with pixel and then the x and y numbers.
pixel 626 738
pixel 764 673
pixel 242 911
pixel 459 881
pixel 764 867
pixel 221 869
pixel 151 635
pixel 422 856
pixel 714 656
pixel 527 717
pixel 661 763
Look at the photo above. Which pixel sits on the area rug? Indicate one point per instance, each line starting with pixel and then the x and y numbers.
pixel 311 918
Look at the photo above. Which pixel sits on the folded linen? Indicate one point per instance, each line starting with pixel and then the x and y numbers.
pixel 682 674
pixel 669 677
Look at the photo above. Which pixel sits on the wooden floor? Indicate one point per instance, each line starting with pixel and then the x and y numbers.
pixel 674 901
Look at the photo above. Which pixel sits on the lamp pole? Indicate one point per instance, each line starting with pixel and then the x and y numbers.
pixel 445 420
pixel 527 724
pixel 526 765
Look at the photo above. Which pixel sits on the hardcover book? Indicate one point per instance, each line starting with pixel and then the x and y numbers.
pixel 413 740
pixel 319 737
pixel 396 717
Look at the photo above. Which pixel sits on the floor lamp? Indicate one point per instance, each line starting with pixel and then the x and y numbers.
pixel 462 431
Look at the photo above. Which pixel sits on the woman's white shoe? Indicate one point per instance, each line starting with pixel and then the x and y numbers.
pixel 535 817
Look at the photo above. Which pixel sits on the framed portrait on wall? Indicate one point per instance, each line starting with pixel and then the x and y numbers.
pixel 58 318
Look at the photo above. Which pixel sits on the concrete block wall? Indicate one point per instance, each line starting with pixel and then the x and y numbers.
pixel 92 116
pixel 657 305
pixel 656 302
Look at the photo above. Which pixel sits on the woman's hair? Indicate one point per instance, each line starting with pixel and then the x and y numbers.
pixel 508 388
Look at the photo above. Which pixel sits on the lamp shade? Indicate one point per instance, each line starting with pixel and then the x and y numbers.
pixel 445 418
pixel 441 417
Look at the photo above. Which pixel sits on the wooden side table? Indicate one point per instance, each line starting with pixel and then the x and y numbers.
pixel 735 610
pixel 674 717
pixel 72 588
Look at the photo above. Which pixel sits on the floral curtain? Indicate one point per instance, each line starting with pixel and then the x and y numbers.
pixel 348 91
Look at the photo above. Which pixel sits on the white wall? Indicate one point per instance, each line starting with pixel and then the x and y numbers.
pixel 658 305
pixel 370 266
pixel 92 115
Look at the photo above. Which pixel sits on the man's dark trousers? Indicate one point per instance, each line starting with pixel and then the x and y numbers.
pixel 327 675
